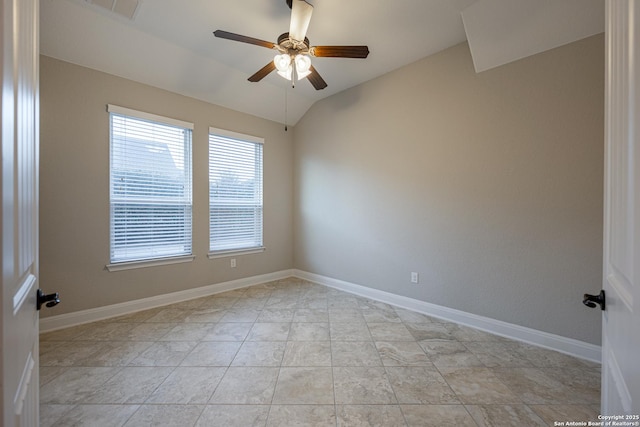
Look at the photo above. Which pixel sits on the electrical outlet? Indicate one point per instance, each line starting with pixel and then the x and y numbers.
pixel 414 277
pixel 233 263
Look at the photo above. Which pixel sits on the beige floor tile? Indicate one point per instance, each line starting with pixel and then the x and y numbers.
pixel 188 332
pixel 192 304
pixel 167 353
pixel 369 415
pixel 478 386
pixel 260 353
pixel 282 302
pixel 380 316
pixel 75 384
pixel 48 373
pixel 307 353
pixel 582 383
pixel 280 353
pixel 309 331
pixel 342 301
pixel 366 304
pixel 249 304
pixel 504 416
pixel 429 331
pixel 390 332
pixel 115 353
pixel 313 302
pixel 551 414
pixel 355 353
pixel 345 315
pixel 207 315
pixel 357 385
pixel 138 316
pixel 212 353
pixel 228 332
pixel 47 346
pixel 129 386
pixel 169 315
pixel 97 415
pixel 257 291
pixel 276 315
pixel 349 331
pixel 218 301
pixel 50 414
pixel 302 416
pixel 240 315
pixel 464 333
pixel 304 386
pixel 165 416
pixel 537 386
pixel 402 353
pixel 66 334
pixel 277 331
pixel 408 316
pixel 234 415
pixel 311 315
pixel 499 354
pixel 449 353
pixel 149 331
pixel 420 385
pixel 543 358
pixel 252 386
pixel 437 416
pixel 72 353
pixel 188 385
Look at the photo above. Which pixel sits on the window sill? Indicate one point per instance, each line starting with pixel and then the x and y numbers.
pixel 130 265
pixel 225 254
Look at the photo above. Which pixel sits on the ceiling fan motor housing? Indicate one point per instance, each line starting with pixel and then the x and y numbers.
pixel 288 45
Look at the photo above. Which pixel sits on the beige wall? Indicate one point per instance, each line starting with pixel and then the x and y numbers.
pixel 488 185
pixel 74 184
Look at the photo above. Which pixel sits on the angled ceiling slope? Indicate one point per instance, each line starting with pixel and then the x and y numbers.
pixel 502 31
pixel 170 44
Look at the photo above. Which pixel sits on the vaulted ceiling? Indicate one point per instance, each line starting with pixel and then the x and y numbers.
pixel 170 44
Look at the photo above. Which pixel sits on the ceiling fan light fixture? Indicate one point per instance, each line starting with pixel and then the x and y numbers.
pixel 303 64
pixel 282 62
pixel 287 74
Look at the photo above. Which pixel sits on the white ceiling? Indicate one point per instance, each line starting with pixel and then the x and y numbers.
pixel 169 43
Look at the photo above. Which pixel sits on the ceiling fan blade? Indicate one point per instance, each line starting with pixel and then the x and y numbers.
pixel 300 17
pixel 340 51
pixel 315 79
pixel 244 39
pixel 262 72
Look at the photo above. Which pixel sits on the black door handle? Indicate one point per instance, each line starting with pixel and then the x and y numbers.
pixel 50 299
pixel 592 300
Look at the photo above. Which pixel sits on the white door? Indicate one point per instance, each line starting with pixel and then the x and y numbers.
pixel 19 107
pixel 621 319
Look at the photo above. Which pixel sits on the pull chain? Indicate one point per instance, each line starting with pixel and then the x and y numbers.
pixel 285 109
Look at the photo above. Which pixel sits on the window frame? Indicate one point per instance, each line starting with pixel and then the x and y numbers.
pixel 258 141
pixel 154 259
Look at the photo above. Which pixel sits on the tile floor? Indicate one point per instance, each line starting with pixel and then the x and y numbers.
pixel 291 352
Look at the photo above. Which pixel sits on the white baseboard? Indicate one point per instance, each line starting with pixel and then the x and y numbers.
pixel 509 330
pixel 559 343
pixel 52 323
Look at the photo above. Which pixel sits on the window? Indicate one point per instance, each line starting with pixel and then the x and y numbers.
pixel 235 192
pixel 150 186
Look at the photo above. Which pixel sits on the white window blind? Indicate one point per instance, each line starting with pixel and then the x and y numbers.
pixel 150 186
pixel 235 191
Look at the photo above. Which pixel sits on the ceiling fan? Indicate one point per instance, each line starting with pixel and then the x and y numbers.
pixel 294 50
